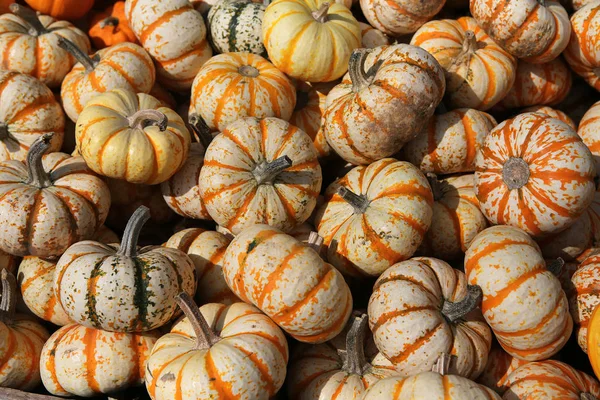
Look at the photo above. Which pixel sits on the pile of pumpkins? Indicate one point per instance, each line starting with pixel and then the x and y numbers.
pixel 303 199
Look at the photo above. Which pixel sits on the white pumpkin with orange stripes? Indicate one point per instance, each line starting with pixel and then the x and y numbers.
pixel 375 216
pixel 534 173
pixel 589 131
pixel 371 37
pixel 499 367
pixel 581 54
pixel 552 112
pixel 585 297
pixel 523 302
pixel 399 17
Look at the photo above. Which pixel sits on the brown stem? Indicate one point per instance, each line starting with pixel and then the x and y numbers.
pixel 515 173
pixel 109 21
pixel 542 3
pixel 3 131
pixel 85 60
pixel 201 129
pixel 356 68
pixel 587 396
pixel 470 43
pixel 249 71
pixel 36 28
pixel 442 365
pixel 437 186
pixel 555 266
pixel 145 118
pixel 315 241
pixel 355 361
pixel 321 14
pixel 132 232
pixel 37 176
pixel 14 394
pixel 9 296
pixel 359 202
pixel 455 311
pixel 267 171
pixel 205 336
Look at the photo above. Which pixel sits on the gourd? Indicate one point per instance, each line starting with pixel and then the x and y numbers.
pixel 371 37
pixel 122 288
pixel 552 112
pixel 399 17
pixel 498 368
pixel 588 131
pixel 580 54
pixel 593 341
pixel 236 25
pixel 110 27
pixel 586 296
pixel 63 9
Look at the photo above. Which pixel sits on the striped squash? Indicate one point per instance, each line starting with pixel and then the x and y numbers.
pixel 535 30
pixel 375 216
pixel 498 368
pixel 236 85
pixel 29 110
pixel 310 40
pixel 175 36
pixel 450 142
pixel 122 66
pixel 534 173
pixel 236 25
pixel 289 282
pixel 389 92
pixel 122 288
pixel 553 113
pixel 479 73
pixel 586 296
pixel 581 54
pixel 589 132
pixel 399 17
pixel 206 249
pixel 577 4
pixel 218 352
pixel 260 171
pixel 371 37
pixel 107 362
pixel 522 300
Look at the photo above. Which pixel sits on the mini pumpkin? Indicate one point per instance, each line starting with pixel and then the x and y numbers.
pixel 593 340
pixel 371 37
pixel 585 297
pixel 65 9
pixel 580 53
pixel 111 27
pixel 498 368
pixel 399 17
pixel 236 25
pixel 588 131
pixel 552 112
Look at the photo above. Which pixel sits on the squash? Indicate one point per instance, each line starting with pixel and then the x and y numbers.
pixel 389 92
pixel 28 111
pixel 498 368
pixel 375 216
pixel 593 341
pixel 62 9
pixel 580 53
pixel 552 112
pixel 399 17
pixel 236 25
pixel 310 40
pixel 236 85
pixel 289 282
pixel 175 36
pixel 206 249
pixel 260 171
pixel 218 352
pixel 450 141
pixel 537 31
pixel 586 296
pixel 479 73
pixel 106 361
pixel 50 203
pixel 589 131
pixel 534 173
pixel 110 27
pixel 22 340
pixel 371 37
pixel 342 368
pixel 122 66
pixel 522 300
pixel 29 44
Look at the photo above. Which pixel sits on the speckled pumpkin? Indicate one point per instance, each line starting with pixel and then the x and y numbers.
pixel 581 54
pixel 399 17
pixel 552 112
pixel 589 131
pixel 498 368
pixel 110 27
pixel 236 25
pixel 371 37
pixel 585 297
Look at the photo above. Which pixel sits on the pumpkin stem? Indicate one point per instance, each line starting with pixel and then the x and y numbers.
pixel 205 336
pixel 359 203
pixel 587 396
pixel 515 173
pixel 301 100
pixel 145 118
pixel 354 358
pixel 321 14
pixel 201 129
pixel 555 266
pixel 132 232
pixel 3 131
pixel 30 17
pixel 470 43
pixel 85 60
pixel 437 186
pixel 267 171
pixel 315 241
pixel 356 68
pixel 109 21
pixel 454 311
pixel 37 175
pixel 442 365
pixel 249 71
pixel 542 3
pixel 9 296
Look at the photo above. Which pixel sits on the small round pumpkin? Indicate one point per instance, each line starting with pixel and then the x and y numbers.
pixel 110 27
pixel 585 297
pixel 62 9
pixel 581 54
pixel 371 37
pixel 589 131
pixel 552 112
pixel 498 368
pixel 399 17
pixel 236 25
pixel 593 340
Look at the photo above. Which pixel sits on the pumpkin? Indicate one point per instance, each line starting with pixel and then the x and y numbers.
pixel 534 173
pixel 498 368
pixel 389 92
pixel 371 37
pixel 289 282
pixel 375 216
pixel 550 380
pixel 552 112
pixel 450 142
pixel 260 171
pixel 62 9
pixel 580 53
pixel 593 341
pixel 310 40
pixel 588 131
pixel 28 111
pixel 535 30
pixel 577 4
pixel 399 17
pixel 111 27
pixel 29 44
pixel 22 340
pixel 106 361
pixel 479 73
pixel 236 85
pixel 206 249
pixel 522 300
pixel 342 368
pixel 579 100
pixel 130 136
pixel 586 296
pixel 175 36
pixel 50 203
pixel 236 25
pixel 122 288
pixel 218 352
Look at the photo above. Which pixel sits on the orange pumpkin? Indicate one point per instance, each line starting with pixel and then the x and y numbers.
pixel 552 112
pixel 581 53
pixel 593 340
pixel 62 9
pixel 111 27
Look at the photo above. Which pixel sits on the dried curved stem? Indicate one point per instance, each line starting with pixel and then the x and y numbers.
pixel 201 129
pixel 555 266
pixel 355 361
pixel 85 60
pixel 359 202
pixel 36 28
pixel 315 241
pixel 205 336
pixel 145 118
pixel 437 186
pixel 455 311
pixel 515 173
pixel 9 296
pixel 37 176
pixel 267 171
pixel 3 131
pixel 321 14
pixel 470 43
pixel 356 68
pixel 109 21
pixel 442 365
pixel 132 232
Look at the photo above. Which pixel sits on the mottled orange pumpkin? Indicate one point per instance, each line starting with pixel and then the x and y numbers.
pixel 111 27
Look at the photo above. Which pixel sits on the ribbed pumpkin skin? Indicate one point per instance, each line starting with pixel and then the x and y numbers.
pixel 206 249
pixel 581 53
pixel 474 80
pixel 236 25
pixel 248 362
pixel 371 37
pixel 39 56
pixel 522 301
pixel 106 361
pixel 553 113
pixel 390 230
pixel 586 282
pixel 450 142
pixel 175 36
pixel 589 131
pixel 399 17
pixel 230 191
pixel 62 9
pixel 122 66
pixel 222 93
pixel 561 170
pixel 289 282
pixel 29 110
pixel 499 367
pixel 304 48
pixel 108 35
pixel 404 92
pixel 45 222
